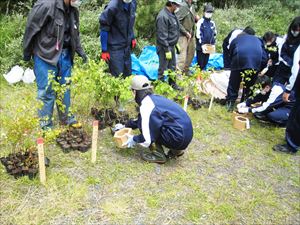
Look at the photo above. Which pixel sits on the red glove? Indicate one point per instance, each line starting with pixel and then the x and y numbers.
pixel 133 43
pixel 105 56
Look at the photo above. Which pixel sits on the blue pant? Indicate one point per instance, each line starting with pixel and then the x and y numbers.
pixel 47 95
pixel 120 62
pixel 279 116
pixel 292 134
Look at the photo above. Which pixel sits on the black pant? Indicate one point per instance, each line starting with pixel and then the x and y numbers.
pixel 202 59
pixel 165 64
pixel 235 79
pixel 292 133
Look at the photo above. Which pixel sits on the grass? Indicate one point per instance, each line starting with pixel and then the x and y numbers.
pixel 226 177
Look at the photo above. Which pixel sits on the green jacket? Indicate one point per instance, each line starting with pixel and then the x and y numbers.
pixel 186 16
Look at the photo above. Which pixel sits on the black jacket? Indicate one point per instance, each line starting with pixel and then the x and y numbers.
pixel 44 33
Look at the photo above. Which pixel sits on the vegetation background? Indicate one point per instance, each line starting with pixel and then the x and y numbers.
pixel 226 177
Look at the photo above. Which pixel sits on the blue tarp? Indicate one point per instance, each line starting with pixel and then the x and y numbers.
pixel 147 63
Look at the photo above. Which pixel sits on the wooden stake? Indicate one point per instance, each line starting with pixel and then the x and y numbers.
pixel 211 102
pixel 42 169
pixel 94 140
pixel 185 104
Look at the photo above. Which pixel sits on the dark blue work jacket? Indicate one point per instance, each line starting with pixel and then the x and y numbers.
pixel 247 52
pixel 118 22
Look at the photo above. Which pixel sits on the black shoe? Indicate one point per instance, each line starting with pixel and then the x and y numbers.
pixel 261 116
pixel 283 148
pixel 173 154
pixel 154 157
pixel 230 105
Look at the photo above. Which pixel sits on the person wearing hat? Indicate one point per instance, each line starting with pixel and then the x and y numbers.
pixel 117 35
pixel 205 34
pixel 51 39
pixel 167 35
pixel 161 121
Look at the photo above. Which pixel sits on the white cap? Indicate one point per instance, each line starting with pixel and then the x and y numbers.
pixel 140 82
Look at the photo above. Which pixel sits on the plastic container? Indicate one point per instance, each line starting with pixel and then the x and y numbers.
pixel 241 123
pixel 120 137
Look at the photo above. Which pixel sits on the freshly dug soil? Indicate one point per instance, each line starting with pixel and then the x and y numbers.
pixel 74 139
pixel 22 163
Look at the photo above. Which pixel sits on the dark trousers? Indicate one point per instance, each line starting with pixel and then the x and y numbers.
pixel 292 133
pixel 226 57
pixel 165 64
pixel 120 62
pixel 235 79
pixel 202 59
pixel 279 116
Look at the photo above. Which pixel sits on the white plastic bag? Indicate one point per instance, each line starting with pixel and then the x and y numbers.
pixel 29 76
pixel 14 75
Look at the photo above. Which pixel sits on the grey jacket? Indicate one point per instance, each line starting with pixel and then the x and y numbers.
pixel 186 16
pixel 167 30
pixel 44 33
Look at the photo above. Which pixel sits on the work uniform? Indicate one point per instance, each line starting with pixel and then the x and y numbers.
pixel 273 108
pixel 205 34
pixel 246 53
pixel 116 26
pixel 52 38
pixel 226 44
pixel 164 122
pixel 292 134
pixel 167 35
pixel 186 16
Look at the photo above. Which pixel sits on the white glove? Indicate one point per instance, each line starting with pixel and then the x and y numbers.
pixel 204 48
pixel 241 105
pixel 130 143
pixel 119 126
pixel 243 110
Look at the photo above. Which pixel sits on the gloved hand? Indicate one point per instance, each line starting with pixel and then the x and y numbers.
pixel 204 48
pixel 133 43
pixel 244 110
pixel 241 105
pixel 177 48
pixel 105 56
pixel 168 55
pixel 118 126
pixel 130 143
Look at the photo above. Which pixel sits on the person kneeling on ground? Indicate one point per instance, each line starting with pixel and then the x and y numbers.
pixel 161 121
pixel 273 108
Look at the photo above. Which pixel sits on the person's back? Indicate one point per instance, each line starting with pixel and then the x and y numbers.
pixel 247 52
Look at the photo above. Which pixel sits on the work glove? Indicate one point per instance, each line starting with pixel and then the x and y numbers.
pixel 118 126
pixel 105 56
pixel 130 143
pixel 241 105
pixel 244 110
pixel 168 55
pixel 177 48
pixel 133 43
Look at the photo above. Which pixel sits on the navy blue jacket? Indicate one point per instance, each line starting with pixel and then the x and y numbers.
pixel 247 52
pixel 164 121
pixel 206 32
pixel 118 22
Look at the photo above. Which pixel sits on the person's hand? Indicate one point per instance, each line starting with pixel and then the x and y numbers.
pixel 188 35
pixel 285 97
pixel 130 143
pixel 177 48
pixel 133 43
pixel 105 56
pixel 241 105
pixel 243 110
pixel 168 55
pixel 270 62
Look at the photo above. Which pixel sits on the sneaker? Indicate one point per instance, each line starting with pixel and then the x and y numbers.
pixel 173 154
pixel 154 157
pixel 283 148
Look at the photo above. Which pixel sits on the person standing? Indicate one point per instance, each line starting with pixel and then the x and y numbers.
pixel 186 15
pixel 247 56
pixel 161 121
pixel 52 38
pixel 205 34
pixel 117 35
pixel 167 35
